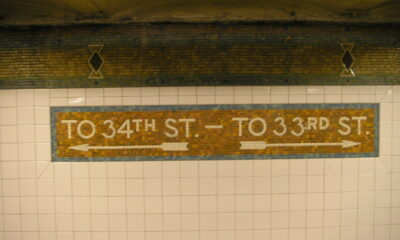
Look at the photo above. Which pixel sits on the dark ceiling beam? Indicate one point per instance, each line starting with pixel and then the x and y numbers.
pixel 62 12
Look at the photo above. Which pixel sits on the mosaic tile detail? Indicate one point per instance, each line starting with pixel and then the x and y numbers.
pixel 165 54
pixel 347 60
pixel 96 61
pixel 187 132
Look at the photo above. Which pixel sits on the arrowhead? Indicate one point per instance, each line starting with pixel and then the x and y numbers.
pixel 83 147
pixel 252 145
pixel 348 144
pixel 174 146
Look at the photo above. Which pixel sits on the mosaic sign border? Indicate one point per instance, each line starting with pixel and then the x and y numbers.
pixel 55 110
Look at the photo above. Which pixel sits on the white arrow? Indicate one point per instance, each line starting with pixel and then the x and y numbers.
pixel 168 146
pixel 259 145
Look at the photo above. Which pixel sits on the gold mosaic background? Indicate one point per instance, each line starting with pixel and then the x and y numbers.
pixel 202 141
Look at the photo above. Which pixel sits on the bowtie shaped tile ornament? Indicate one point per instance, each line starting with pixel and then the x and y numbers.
pixel 347 60
pixel 96 61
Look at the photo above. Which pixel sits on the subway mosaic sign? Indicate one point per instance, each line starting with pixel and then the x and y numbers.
pixel 190 132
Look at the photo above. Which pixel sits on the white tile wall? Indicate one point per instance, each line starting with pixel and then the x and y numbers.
pixel 296 199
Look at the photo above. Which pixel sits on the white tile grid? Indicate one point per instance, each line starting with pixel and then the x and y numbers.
pixel 40 213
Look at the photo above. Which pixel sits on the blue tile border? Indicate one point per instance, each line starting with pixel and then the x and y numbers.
pixel 55 110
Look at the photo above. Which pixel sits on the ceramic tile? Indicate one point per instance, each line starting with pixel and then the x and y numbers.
pixel 58 93
pixel 150 91
pixel 76 93
pixel 42 115
pixel 8 152
pixel 81 101
pixel 8 134
pixel 224 99
pixel 244 199
pixel 94 92
pixel 130 92
pixel 41 97
pixel 25 98
pixel 8 116
pixel 131 101
pixel 206 91
pixel 168 91
pixel 42 133
pixel 9 170
pixel 61 101
pixel 168 100
pixel 184 99
pixel 89 101
pixel 224 91
pixel 186 91
pixel 8 98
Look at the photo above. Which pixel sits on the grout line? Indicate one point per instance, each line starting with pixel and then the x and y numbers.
pixel 341 183
pixel 72 191
pixel 18 164
pixel 288 196
pixel 358 195
pixel 323 196
pixel 253 197
pixel 270 199
pixel 340 199
pixel 144 202
pixel 305 203
pixel 202 195
pixel 44 170
pixel 2 204
pixel 126 200
pixel 252 176
pixel 234 200
pixel 216 181
pixel 374 190
pixel 198 184
pixel 180 200
pixel 107 197
pixel 37 178
pixel 90 202
pixel 162 183
pixel 54 187
pixel 391 170
pixel 216 199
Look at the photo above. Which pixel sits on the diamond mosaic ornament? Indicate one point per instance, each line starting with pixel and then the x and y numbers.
pixel 347 60
pixel 96 61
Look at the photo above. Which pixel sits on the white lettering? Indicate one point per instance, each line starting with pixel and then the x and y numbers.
pixel 342 123
pixel 90 123
pixel 169 126
pixel 281 121
pixel 359 119
pixel 240 121
pixel 151 125
pixel 312 123
pixel 323 123
pixel 69 124
pixel 126 129
pixel 110 126
pixel 299 122
pixel 137 123
pixel 187 121
pixel 263 128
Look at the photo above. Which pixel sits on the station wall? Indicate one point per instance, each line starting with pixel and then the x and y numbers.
pixel 293 199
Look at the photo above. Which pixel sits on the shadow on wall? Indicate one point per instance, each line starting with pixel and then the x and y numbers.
pixel 117 11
